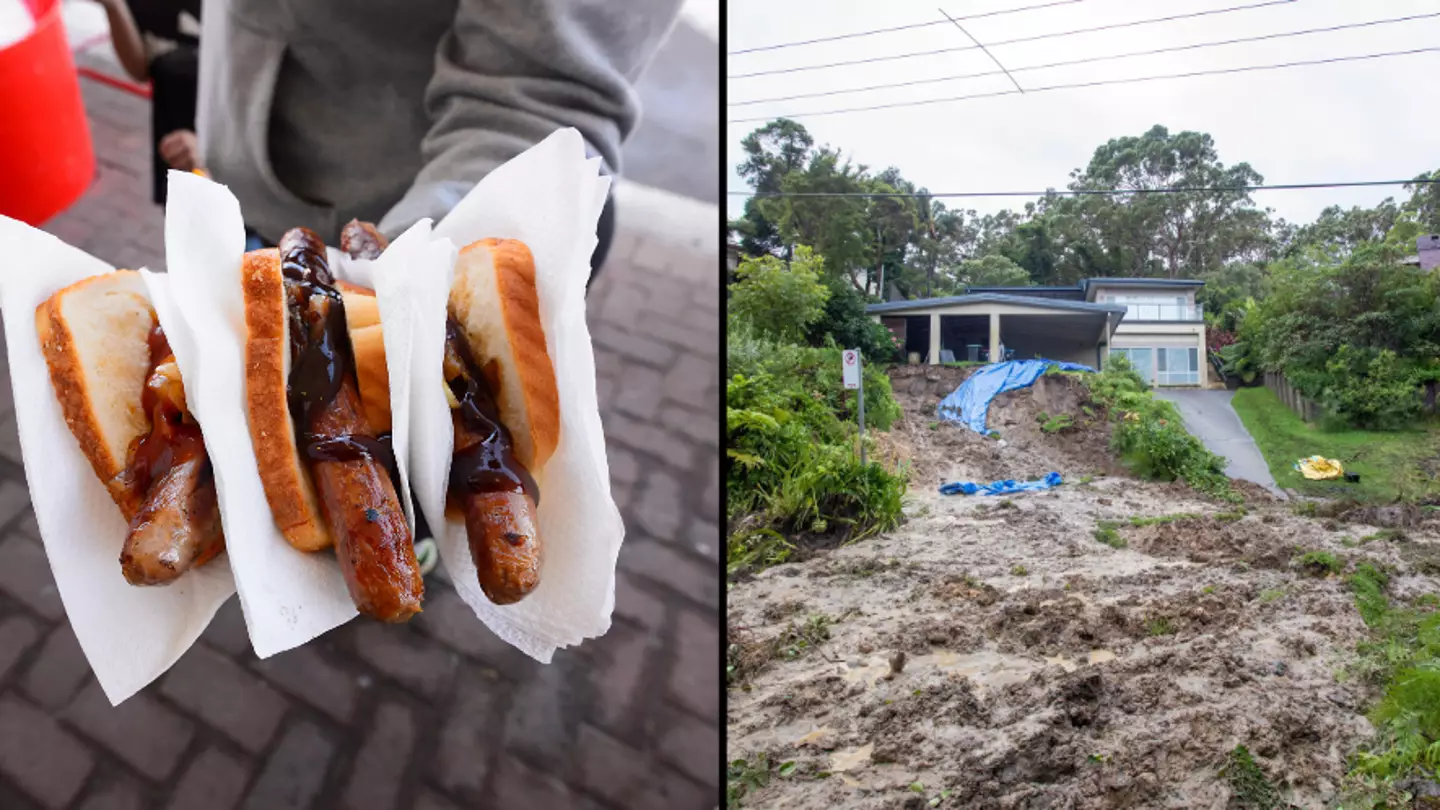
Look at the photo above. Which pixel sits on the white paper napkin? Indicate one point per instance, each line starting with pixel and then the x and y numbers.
pixel 130 635
pixel 289 597
pixel 550 197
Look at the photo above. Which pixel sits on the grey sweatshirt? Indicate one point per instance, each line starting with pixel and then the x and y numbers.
pixel 317 111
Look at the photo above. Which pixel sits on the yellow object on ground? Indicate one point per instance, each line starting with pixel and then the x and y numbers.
pixel 1319 468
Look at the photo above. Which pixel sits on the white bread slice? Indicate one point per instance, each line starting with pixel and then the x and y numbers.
pixel 494 299
pixel 367 344
pixel 94 335
pixel 288 487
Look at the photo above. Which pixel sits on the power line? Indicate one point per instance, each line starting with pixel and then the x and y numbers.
pixel 1098 83
pixel 1096 192
pixel 909 27
pixel 1090 59
pixel 1035 38
pixel 985 50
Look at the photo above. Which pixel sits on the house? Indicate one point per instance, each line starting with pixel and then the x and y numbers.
pixel 1155 323
pixel 1427 252
pixel 732 256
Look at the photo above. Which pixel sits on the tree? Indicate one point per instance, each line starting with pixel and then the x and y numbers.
pixel 991 271
pixel 780 302
pixel 1338 231
pixel 1189 232
pixel 1424 202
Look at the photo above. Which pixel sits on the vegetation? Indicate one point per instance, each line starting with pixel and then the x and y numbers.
pixel 1150 436
pixel 1106 533
pixel 1320 563
pixel 1388 462
pixel 1402 657
pixel 1248 783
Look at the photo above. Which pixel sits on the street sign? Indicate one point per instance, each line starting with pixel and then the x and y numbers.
pixel 851 368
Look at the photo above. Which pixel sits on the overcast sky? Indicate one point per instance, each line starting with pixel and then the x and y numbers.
pixel 1367 120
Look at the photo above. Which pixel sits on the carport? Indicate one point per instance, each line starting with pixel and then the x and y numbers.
pixel 977 327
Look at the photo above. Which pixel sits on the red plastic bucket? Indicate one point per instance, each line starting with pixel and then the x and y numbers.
pixel 46 158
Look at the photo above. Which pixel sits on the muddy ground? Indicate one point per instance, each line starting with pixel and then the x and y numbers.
pixel 1041 667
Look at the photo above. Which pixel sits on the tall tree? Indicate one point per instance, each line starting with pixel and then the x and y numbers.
pixel 1189 232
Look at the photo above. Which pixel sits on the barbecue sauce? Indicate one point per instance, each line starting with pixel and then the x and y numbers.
pixel 489 464
pixel 320 355
pixel 173 435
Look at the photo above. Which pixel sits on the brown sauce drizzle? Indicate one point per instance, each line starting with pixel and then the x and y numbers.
pixel 320 353
pixel 173 436
pixel 489 465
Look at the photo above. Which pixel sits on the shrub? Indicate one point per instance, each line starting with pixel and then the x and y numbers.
pixel 845 324
pixel 779 301
pixel 1369 390
pixel 1150 436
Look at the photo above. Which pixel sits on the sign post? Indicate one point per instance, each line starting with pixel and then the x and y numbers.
pixel 852 377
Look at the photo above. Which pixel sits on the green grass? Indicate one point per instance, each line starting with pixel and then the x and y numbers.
pixel 1388 462
pixel 1156 520
pixel 1248 783
pixel 1105 533
pixel 1320 563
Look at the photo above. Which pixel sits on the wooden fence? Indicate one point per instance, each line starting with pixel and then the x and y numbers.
pixel 1310 410
pixel 1303 406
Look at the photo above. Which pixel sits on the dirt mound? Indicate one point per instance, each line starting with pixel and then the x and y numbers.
pixel 1051 426
pixel 1207 540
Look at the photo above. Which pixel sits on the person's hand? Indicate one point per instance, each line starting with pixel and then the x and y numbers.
pixel 181 150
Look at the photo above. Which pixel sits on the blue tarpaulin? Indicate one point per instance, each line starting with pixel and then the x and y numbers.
pixel 969 403
pixel 1000 487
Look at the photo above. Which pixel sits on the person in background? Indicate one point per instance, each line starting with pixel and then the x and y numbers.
pixel 315 112
pixel 158 41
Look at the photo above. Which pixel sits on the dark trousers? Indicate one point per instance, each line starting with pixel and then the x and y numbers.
pixel 175 81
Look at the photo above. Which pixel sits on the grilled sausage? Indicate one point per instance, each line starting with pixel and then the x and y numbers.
pixel 360 240
pixel 178 526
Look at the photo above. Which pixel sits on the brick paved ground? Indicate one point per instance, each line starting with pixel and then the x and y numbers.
pixel 436 714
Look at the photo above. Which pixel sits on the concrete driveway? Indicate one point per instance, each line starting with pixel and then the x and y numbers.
pixel 1209 416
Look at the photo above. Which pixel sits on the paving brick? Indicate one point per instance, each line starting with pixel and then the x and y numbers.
pixel 46 761
pixel 693 383
pixel 634 602
pixel 678 572
pixel 542 718
pixel 430 800
pixel 695 678
pixel 413 660
pixel 711 496
pixel 610 768
pixel 449 620
pixel 59 669
pixel 649 438
pixel 660 508
pixel 703 537
pixel 117 793
pixel 295 771
pixel 698 425
pixel 693 746
pixel 139 731
pixel 10 440
pixel 17 635
pixel 25 575
pixel 639 392
pixel 692 336
pixel 214 781
pixel 624 655
pixel 517 785
pixel 225 696
pixel 469 737
pixel 14 499
pixel 227 630
pixel 380 765
pixel 624 467
pixel 633 347
pixel 305 673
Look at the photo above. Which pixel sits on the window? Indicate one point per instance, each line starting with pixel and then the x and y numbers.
pixel 1163 366
pixel 1155 307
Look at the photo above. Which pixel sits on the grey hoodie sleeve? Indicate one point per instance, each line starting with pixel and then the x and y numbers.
pixel 510 72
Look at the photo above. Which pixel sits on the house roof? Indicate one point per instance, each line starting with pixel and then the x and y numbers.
pixel 998 298
pixel 1141 282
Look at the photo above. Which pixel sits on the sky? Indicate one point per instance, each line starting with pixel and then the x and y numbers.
pixel 1367 120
